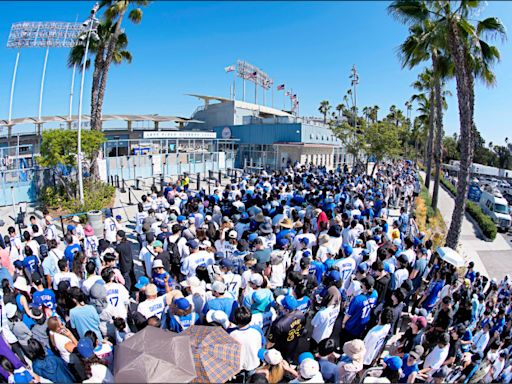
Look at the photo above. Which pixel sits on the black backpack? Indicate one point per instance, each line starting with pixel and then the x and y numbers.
pixel 43 250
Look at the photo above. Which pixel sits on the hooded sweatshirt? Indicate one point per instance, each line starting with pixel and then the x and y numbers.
pixel 53 368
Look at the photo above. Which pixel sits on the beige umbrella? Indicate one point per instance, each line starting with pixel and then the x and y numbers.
pixel 154 356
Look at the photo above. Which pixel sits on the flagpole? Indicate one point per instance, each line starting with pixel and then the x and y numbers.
pixel 264 94
pixel 291 94
pixel 234 85
pixel 255 93
pixel 243 85
pixel 272 91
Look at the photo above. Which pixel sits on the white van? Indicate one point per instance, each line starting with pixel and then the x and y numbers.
pixel 496 207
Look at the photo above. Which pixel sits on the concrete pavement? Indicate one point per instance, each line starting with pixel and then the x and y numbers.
pixel 492 258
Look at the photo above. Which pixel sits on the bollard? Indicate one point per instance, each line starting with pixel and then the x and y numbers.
pixel 220 177
pixel 209 187
pixel 130 196
pixel 134 171
pixel 62 225
pixel 112 180
pixel 198 181
pixel 153 186
pixel 123 189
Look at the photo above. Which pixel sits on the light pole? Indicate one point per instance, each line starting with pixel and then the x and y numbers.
pixel 92 24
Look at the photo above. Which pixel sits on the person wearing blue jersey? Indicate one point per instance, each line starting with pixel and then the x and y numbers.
pixel 358 312
pixel 42 297
pixel 30 262
pixel 221 300
pixel 180 316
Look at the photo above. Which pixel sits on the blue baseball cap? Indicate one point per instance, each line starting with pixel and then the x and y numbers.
pixel 142 282
pixel 282 242
pixel 252 237
pixel 226 263
pixel 288 302
pixel 71 228
pixel 85 347
pixel 304 240
pixel 347 249
pixel 362 268
pixel 305 355
pixel 182 303
pixel 181 218
pixel 194 244
pixel 334 275
pixel 393 362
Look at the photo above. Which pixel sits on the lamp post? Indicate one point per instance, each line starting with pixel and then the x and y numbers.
pixel 91 24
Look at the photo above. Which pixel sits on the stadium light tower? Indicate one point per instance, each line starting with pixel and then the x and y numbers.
pixel 91 26
pixel 39 35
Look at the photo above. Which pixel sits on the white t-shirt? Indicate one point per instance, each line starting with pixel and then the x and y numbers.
pixel 310 236
pixel 89 282
pixel 346 267
pixel 411 256
pixel 436 358
pixel 147 256
pixel 233 283
pixel 100 374
pixel 139 220
pixel 16 249
pixel 60 342
pixel 374 341
pixel 251 341
pixel 110 227
pixel 119 297
pixel 91 246
pixel 323 322
pixel 73 279
pixel 34 246
pixel 152 307
pixel 191 262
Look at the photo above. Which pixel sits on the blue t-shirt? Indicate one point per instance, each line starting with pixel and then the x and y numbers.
pixel 359 311
pixel 407 369
pixel 85 318
pixel 31 263
pixel 317 269
pixel 303 304
pixel 69 253
pixel 225 304
pixel 434 289
pixel 159 281
pixel 45 297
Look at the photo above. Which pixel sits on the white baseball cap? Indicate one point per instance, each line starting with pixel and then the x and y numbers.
pixel 309 368
pixel 219 317
pixel 256 279
pixel 270 356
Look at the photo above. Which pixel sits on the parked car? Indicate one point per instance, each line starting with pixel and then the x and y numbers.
pixel 495 206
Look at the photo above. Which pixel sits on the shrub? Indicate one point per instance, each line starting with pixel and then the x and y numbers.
pixel 484 222
pixel 97 195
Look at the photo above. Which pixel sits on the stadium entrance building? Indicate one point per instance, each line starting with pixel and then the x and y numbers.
pixel 269 137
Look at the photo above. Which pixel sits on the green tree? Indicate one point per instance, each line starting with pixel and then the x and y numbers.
pixel 59 151
pixel 324 109
pixel 472 57
pixel 383 141
pixel 451 152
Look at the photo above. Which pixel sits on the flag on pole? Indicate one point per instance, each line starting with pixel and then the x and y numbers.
pixel 280 87
pixel 287 93
pixel 229 68
pixel 294 97
pixel 253 75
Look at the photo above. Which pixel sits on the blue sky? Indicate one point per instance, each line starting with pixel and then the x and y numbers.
pixel 182 47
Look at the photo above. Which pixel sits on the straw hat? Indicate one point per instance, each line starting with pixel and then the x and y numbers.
pixel 21 284
pixel 323 239
pixel 286 223
pixel 356 350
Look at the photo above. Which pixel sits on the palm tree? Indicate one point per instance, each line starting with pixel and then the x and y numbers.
pixel 109 51
pixel 472 57
pixel 425 84
pixel 374 113
pixel 339 108
pixel 324 109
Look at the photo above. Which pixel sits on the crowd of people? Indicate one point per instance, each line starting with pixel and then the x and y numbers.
pixel 306 268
